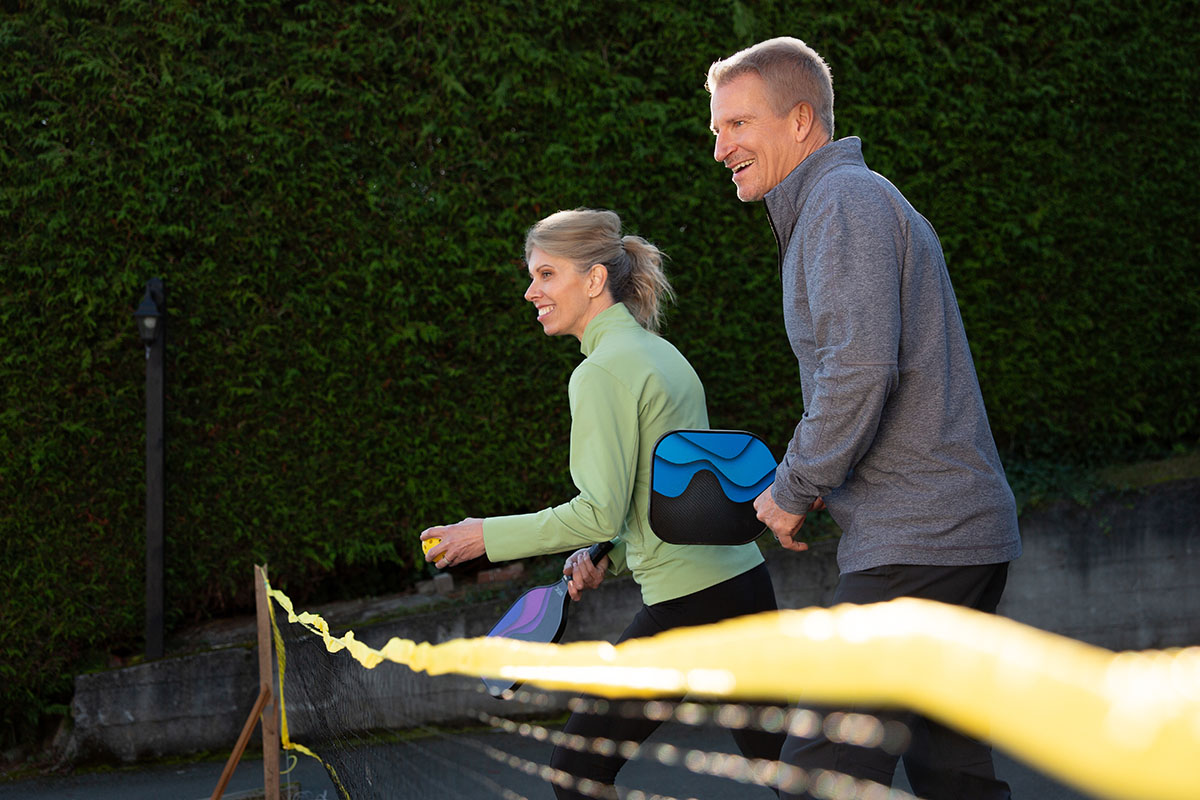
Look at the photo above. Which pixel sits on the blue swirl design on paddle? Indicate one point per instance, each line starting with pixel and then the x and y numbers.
pixel 741 462
pixel 703 485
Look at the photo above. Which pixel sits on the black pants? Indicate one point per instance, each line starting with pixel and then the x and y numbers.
pixel 748 593
pixel 941 763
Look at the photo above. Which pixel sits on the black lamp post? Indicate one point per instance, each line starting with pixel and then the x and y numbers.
pixel 151 316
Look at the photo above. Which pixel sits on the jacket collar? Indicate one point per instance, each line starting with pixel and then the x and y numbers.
pixel 786 200
pixel 614 317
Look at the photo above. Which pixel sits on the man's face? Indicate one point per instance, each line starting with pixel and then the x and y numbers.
pixel 760 146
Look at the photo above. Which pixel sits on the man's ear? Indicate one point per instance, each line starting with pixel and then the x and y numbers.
pixel 597 279
pixel 804 119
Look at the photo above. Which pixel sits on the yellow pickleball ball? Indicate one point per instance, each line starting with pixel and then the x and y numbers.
pixel 429 544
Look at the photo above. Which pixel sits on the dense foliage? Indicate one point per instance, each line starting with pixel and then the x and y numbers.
pixel 335 194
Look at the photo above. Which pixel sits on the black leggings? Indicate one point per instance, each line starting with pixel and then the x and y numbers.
pixel 748 593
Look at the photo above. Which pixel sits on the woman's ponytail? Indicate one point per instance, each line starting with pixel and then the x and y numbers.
pixel 645 288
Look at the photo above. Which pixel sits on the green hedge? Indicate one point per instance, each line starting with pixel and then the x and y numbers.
pixel 336 193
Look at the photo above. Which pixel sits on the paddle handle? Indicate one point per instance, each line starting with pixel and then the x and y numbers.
pixel 598 551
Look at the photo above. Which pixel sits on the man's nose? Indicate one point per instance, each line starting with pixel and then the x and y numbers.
pixel 721 148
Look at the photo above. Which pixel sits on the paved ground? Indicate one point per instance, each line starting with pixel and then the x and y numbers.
pixel 475 766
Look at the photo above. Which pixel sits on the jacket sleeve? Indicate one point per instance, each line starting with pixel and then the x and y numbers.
pixel 852 243
pixel 604 451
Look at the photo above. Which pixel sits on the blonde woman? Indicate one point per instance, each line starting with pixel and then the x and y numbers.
pixel 589 281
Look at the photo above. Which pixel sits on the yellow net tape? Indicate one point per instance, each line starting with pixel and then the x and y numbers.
pixel 285 739
pixel 1117 725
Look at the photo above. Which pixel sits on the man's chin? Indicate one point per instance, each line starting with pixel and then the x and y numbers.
pixel 747 192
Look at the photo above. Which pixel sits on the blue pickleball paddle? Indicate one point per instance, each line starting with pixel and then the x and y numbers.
pixel 703 484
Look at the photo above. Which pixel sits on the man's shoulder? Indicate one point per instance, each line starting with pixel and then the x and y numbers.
pixel 849 188
pixel 845 175
pixel 869 198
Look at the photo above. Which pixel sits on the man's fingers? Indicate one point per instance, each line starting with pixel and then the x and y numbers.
pixel 788 540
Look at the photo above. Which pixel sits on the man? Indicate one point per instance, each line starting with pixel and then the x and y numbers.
pixel 894 439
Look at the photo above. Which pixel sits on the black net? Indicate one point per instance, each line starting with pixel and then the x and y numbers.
pixel 389 731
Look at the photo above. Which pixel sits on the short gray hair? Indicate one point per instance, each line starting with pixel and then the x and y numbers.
pixel 793 72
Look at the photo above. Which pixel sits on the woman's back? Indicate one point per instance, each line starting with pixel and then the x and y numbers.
pixel 630 372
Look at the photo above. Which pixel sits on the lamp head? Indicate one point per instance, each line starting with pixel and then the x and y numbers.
pixel 150 311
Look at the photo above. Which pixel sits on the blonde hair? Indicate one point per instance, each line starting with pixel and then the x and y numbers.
pixel 793 72
pixel 587 236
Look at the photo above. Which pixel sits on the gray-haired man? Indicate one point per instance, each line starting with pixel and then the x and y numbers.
pixel 894 440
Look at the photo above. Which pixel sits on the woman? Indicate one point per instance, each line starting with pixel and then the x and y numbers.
pixel 606 290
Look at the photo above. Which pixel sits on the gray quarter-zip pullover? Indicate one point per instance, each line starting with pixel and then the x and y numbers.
pixel 894 435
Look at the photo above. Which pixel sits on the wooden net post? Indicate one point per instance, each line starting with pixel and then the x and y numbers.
pixel 264 695
pixel 266 679
pixel 266 706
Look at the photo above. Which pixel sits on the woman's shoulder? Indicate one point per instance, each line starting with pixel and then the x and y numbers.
pixel 638 355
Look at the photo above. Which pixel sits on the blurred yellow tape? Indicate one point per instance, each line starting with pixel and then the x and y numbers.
pixel 1117 725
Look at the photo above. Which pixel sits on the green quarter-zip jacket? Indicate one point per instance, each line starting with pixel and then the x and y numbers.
pixel 631 388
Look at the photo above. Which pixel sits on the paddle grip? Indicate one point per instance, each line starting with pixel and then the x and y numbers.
pixel 598 551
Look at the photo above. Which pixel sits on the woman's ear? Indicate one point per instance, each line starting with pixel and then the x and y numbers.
pixel 597 280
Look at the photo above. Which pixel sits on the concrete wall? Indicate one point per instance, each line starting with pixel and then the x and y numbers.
pixel 1123 574
pixel 173 705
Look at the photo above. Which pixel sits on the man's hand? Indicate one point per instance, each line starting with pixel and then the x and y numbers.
pixel 583 573
pixel 783 524
pixel 459 543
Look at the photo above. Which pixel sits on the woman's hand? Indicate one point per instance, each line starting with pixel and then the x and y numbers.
pixel 583 573
pixel 459 543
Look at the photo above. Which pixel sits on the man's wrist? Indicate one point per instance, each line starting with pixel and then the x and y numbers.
pixel 790 504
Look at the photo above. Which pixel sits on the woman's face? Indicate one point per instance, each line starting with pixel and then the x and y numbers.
pixel 565 299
